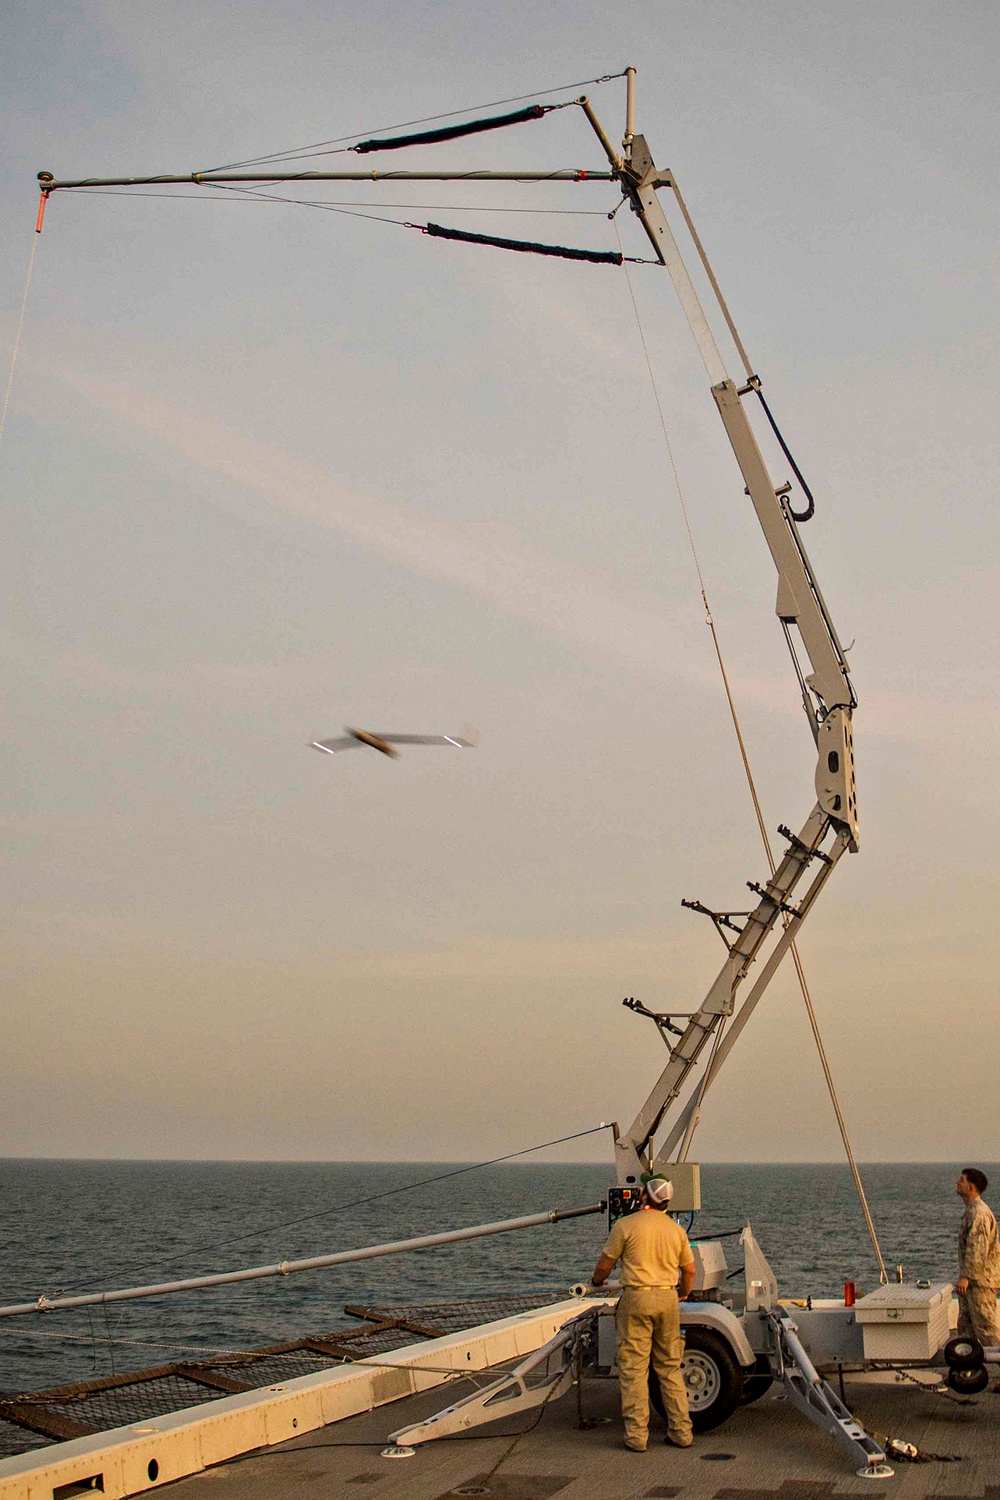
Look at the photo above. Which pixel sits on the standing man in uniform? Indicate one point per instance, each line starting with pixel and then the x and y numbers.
pixel 978 1261
pixel 654 1253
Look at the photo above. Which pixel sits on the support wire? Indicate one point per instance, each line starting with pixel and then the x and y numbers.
pixel 796 958
pixel 17 336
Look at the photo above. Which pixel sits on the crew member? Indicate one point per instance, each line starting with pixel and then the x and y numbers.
pixel 654 1251
pixel 978 1261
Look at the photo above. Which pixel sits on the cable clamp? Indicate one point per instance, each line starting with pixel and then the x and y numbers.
pixel 802 848
pixel 766 895
pixel 283 1269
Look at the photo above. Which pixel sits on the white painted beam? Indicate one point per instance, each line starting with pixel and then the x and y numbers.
pixel 149 1454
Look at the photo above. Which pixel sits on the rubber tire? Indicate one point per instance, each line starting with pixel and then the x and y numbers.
pixel 964 1351
pixel 759 1383
pixel 968 1380
pixel 714 1358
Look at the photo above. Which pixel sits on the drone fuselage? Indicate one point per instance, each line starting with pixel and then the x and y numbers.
pixel 374 741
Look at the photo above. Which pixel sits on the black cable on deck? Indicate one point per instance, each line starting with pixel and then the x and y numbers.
pixel 451 132
pixel 598 257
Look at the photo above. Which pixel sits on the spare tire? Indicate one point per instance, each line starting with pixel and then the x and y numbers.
pixel 712 1378
pixel 963 1350
pixel 968 1380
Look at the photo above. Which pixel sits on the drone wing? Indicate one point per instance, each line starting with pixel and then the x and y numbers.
pixel 428 739
pixel 345 742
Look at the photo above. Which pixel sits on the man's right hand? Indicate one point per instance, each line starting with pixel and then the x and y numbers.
pixel 962 1285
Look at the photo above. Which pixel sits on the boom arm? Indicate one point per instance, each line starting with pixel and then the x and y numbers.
pixel 826 688
pixel 799 601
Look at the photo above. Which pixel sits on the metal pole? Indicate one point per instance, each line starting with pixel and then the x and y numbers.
pixel 598 129
pixel 288 1267
pixel 205 179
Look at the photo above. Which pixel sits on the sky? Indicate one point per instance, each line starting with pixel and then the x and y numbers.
pixel 270 469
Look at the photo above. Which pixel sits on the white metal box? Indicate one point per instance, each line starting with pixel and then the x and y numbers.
pixel 709 1266
pixel 686 1178
pixel 904 1322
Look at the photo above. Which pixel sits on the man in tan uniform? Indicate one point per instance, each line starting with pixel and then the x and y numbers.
pixel 654 1253
pixel 978 1261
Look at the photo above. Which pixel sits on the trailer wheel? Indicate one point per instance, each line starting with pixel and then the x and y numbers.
pixel 968 1381
pixel 759 1383
pixel 712 1378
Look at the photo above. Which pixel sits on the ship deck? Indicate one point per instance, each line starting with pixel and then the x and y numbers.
pixel 765 1450
pixel 338 1390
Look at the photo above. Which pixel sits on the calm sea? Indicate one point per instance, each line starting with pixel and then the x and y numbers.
pixel 72 1226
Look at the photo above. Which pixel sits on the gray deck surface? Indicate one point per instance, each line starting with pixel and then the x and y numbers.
pixel 765 1450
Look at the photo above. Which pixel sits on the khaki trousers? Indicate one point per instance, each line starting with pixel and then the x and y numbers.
pixel 977 1314
pixel 648 1325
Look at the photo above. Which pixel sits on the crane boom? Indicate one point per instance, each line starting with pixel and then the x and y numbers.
pixel 827 693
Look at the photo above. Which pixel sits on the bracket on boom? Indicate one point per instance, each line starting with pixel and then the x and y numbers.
pixel 796 843
pixel 720 918
pixel 766 895
pixel 664 1019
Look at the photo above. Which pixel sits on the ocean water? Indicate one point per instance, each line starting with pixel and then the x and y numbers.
pixel 73 1226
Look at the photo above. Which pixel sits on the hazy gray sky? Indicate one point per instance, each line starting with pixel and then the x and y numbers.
pixel 270 470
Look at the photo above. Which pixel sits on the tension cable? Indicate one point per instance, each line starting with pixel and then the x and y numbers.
pixel 340 1208
pixel 323 148
pixel 439 231
pixel 20 321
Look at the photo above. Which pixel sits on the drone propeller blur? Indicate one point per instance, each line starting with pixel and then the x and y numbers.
pixel 385 742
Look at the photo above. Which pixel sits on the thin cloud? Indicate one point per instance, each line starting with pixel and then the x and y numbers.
pixel 485 559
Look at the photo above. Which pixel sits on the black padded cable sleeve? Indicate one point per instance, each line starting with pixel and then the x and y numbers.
pixel 452 132
pixel 597 257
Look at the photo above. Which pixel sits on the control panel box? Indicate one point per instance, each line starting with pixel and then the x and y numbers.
pixel 622 1201
pixel 686 1177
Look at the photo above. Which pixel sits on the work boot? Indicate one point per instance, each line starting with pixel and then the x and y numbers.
pixel 678 1440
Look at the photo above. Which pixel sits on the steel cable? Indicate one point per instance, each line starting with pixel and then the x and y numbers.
pixel 17 335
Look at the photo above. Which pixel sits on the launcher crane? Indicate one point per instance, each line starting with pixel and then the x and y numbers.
pixel 827 696
pixel 761 1341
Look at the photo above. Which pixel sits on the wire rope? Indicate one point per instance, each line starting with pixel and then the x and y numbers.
pixel 320 148
pixel 758 812
pixel 340 1208
pixel 234 196
pixel 17 336
pixel 262 195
